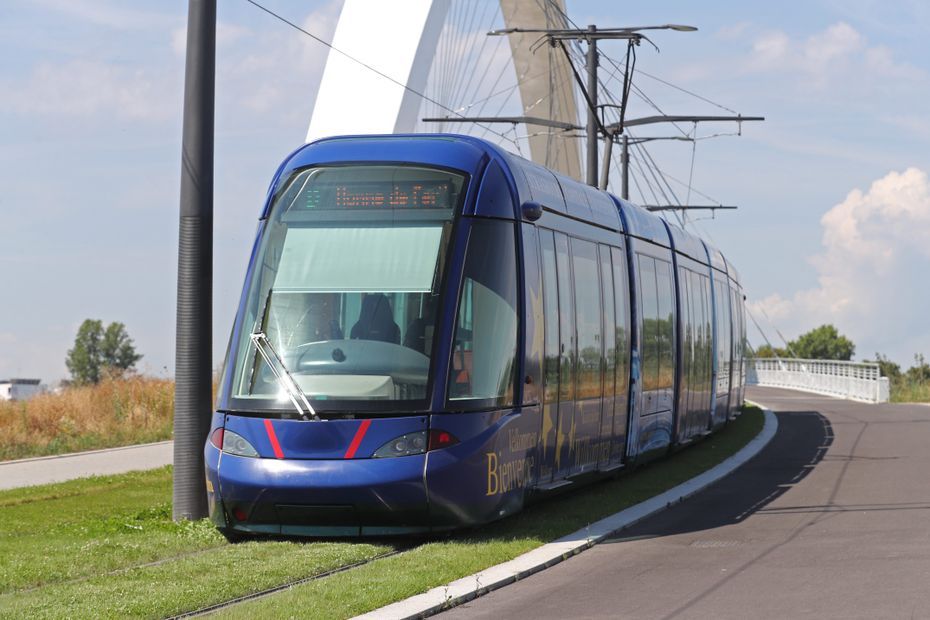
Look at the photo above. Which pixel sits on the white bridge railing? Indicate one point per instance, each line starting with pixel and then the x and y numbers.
pixel 851 380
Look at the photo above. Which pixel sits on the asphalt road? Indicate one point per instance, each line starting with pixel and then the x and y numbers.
pixel 830 520
pixel 46 469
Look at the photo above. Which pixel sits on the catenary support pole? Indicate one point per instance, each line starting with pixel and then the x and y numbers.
pixel 592 130
pixel 193 364
pixel 625 168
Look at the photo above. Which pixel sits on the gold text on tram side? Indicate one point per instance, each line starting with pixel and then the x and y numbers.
pixel 504 476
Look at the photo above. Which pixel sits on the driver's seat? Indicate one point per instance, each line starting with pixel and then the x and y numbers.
pixel 376 320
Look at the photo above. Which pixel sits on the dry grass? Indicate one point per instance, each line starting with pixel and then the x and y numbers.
pixel 115 412
pixel 910 392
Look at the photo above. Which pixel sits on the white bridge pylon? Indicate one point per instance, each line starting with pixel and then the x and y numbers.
pixel 399 40
pixel 396 38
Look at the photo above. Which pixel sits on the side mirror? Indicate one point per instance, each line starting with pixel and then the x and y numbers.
pixel 532 211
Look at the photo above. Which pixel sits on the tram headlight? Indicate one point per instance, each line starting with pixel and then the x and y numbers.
pixel 416 443
pixel 236 444
pixel 405 445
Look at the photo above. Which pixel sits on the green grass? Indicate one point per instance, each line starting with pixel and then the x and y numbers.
pixel 106 547
pixel 397 577
pixel 186 583
pixel 86 527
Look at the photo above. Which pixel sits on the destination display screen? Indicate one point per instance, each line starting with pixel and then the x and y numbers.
pixel 390 194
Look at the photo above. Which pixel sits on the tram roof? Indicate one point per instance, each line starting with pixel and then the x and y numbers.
pixel 688 244
pixel 732 272
pixel 463 153
pixel 716 258
pixel 643 224
pixel 531 181
pixel 468 154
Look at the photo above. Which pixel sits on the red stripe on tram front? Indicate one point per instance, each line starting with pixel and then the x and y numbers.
pixel 357 440
pixel 269 428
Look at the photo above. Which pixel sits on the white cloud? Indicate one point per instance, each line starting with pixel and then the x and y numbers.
pixel 733 31
pixel 872 271
pixel 81 88
pixel 275 69
pixel 99 13
pixel 838 54
pixel 916 125
pixel 272 69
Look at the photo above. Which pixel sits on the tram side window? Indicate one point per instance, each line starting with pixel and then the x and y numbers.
pixel 707 346
pixel 723 325
pixel 698 327
pixel 741 326
pixel 610 351
pixel 566 320
pixel 688 333
pixel 484 351
pixel 665 325
pixel 551 315
pixel 649 311
pixel 588 308
pixel 737 315
pixel 734 365
pixel 622 288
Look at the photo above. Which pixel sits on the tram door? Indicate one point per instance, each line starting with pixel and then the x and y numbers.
pixel 567 356
pixel 558 364
pixel 618 334
pixel 585 433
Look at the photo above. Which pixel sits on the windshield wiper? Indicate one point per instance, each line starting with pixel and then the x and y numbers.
pixel 285 380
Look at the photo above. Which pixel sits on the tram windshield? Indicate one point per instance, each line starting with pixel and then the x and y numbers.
pixel 345 286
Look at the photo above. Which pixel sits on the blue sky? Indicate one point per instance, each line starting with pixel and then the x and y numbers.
pixel 834 219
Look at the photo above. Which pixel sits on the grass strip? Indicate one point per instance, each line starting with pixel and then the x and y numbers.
pixel 106 547
pixel 81 528
pixel 186 583
pixel 433 564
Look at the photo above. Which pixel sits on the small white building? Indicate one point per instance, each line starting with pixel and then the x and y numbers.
pixel 19 389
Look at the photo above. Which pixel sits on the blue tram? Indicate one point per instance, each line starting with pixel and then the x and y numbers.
pixel 433 332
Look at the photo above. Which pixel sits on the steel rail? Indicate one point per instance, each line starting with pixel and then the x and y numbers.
pixel 209 609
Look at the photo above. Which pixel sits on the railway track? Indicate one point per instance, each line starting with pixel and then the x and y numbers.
pixel 203 611
pixel 115 571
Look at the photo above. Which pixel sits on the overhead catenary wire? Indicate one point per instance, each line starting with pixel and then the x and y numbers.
pixel 688 92
pixel 642 175
pixel 605 85
pixel 456 83
pixel 484 100
pixel 467 36
pixel 752 317
pixel 777 331
pixel 651 165
pixel 477 83
pixel 366 65
pixel 691 170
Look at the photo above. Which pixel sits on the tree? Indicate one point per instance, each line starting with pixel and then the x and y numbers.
pixel 117 350
pixel 766 351
pixel 83 360
pixel 97 351
pixel 887 368
pixel 823 343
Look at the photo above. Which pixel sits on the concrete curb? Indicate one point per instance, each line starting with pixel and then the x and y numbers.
pixel 471 587
pixel 49 457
